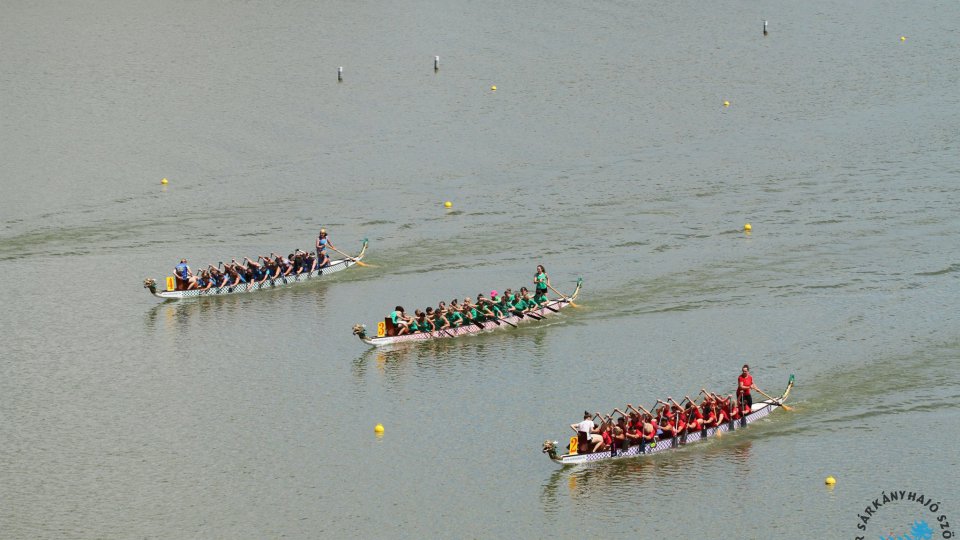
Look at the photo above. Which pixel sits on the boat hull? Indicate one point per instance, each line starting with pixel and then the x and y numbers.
pixel 334 266
pixel 758 411
pixel 549 309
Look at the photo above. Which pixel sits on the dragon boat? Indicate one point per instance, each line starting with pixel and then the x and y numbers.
pixel 759 410
pixel 387 332
pixel 336 265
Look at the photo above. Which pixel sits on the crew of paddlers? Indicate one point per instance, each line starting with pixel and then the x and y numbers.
pixel 492 308
pixel 264 268
pixel 638 426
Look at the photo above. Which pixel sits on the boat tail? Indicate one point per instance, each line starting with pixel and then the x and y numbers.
pixel 759 410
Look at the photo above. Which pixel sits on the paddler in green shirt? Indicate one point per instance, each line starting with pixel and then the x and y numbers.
pixel 524 303
pixel 502 307
pixel 440 321
pixel 540 298
pixel 519 304
pixel 484 307
pixel 453 314
pixel 469 314
pixel 415 321
pixel 426 323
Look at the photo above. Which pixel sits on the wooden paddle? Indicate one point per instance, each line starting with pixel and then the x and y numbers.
pixel 546 305
pixel 521 314
pixel 489 315
pixel 773 399
pixel 358 261
pixel 499 320
pixel 562 295
pixel 446 331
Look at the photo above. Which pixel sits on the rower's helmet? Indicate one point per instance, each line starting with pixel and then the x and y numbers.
pixel 493 294
pixel 323 231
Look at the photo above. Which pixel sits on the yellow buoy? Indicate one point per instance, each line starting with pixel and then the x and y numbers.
pixel 726 103
pixel 378 428
pixel 494 88
pixel 164 181
pixel 448 204
pixel 903 38
pixel 747 227
pixel 830 481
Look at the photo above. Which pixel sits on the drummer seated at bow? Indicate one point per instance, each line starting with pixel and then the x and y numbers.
pixel 184 276
pixel 588 434
pixel 400 321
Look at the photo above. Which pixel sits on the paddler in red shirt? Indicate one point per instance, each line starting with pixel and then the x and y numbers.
pixel 669 423
pixel 648 428
pixel 709 411
pixel 694 416
pixel 732 407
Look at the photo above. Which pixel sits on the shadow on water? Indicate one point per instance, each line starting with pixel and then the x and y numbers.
pixel 444 354
pixel 180 313
pixel 678 469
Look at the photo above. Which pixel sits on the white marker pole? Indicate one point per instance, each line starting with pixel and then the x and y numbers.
pixel 340 74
